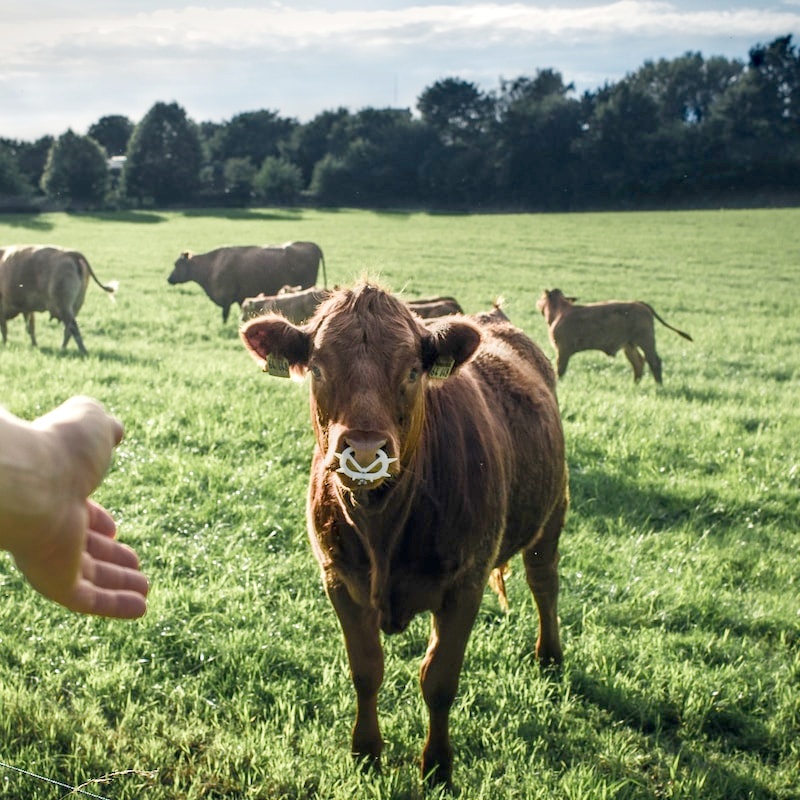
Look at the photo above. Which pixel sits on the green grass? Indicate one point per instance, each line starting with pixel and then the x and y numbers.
pixel 680 598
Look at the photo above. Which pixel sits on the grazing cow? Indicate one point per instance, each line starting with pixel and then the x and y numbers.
pixel 299 305
pixel 435 307
pixel 439 454
pixel 296 306
pixel 603 326
pixel 230 274
pixel 40 278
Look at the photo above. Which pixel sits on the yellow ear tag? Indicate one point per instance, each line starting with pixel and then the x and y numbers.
pixel 442 368
pixel 279 367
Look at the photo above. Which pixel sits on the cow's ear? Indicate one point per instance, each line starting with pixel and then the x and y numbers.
pixel 447 346
pixel 278 346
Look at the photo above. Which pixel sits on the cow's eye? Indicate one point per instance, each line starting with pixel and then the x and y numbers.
pixel 413 375
pixel 315 371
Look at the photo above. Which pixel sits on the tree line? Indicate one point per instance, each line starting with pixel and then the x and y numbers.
pixel 687 130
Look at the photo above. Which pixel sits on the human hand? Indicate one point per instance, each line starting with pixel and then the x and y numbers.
pixel 62 541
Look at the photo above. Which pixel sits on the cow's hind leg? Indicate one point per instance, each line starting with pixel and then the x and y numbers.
pixel 541 569
pixel 362 639
pixel 30 324
pixel 654 362
pixel 71 330
pixel 636 359
pixel 441 667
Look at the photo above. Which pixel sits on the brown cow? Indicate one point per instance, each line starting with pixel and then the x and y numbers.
pixel 439 455
pixel 435 307
pixel 296 306
pixel 41 278
pixel 608 326
pixel 230 274
pixel 299 305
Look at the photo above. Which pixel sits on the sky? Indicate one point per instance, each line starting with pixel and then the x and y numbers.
pixel 65 65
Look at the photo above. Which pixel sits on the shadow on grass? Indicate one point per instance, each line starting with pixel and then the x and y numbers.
pixel 601 495
pixel 95 354
pixel 290 214
pixel 134 217
pixel 33 222
pixel 663 720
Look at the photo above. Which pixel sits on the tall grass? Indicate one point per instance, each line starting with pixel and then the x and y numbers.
pixel 680 601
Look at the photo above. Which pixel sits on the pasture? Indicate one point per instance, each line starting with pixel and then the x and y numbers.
pixel 680 569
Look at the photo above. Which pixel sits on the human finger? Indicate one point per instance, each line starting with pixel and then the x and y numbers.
pixel 105 575
pixel 104 549
pixel 100 520
pixel 114 603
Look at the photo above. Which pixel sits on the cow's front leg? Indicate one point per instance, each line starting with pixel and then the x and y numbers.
pixel 360 626
pixel 439 677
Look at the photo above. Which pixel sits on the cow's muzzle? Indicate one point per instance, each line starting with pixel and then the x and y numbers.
pixel 363 457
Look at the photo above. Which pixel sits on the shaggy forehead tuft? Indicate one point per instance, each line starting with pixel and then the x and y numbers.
pixel 366 315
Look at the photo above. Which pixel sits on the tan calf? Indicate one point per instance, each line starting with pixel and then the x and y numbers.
pixel 610 327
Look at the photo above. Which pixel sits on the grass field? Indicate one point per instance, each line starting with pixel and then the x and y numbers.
pixel 680 598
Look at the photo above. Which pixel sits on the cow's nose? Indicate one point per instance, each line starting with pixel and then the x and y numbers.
pixel 365 446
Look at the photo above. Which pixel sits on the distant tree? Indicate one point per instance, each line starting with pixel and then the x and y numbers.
pixel 462 170
pixel 619 143
pixel 13 182
pixel 253 134
pixel 76 171
pixel 538 124
pixel 112 132
pixel 31 158
pixel 457 110
pixel 164 157
pixel 310 142
pixel 684 89
pixel 381 163
pixel 238 174
pixel 776 70
pixel 278 181
pixel 752 136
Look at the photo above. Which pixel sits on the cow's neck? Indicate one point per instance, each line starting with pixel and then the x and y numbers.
pixel 379 519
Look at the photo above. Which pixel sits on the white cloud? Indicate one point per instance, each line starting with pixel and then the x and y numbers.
pixel 120 57
pixel 192 28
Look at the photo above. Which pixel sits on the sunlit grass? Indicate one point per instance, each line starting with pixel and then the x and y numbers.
pixel 680 560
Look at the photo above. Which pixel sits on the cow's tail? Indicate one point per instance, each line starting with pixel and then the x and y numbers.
pixel 111 287
pixel 667 325
pixel 324 273
pixel 497 582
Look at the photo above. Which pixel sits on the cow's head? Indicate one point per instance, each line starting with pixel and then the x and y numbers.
pixel 552 301
pixel 370 360
pixel 182 271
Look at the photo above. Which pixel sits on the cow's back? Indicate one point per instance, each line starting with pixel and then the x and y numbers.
pixel 246 271
pixel 519 384
pixel 494 446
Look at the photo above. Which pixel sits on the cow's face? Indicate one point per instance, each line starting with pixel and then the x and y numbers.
pixel 552 301
pixel 370 360
pixel 182 271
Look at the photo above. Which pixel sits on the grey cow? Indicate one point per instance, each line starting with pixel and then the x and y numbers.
pixel 230 274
